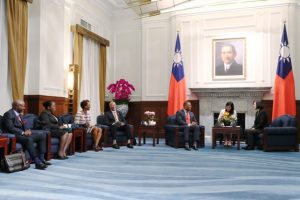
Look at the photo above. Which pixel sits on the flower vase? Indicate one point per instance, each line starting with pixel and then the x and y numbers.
pixel 122 107
pixel 227 123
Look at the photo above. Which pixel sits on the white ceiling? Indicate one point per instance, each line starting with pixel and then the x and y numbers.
pixel 146 8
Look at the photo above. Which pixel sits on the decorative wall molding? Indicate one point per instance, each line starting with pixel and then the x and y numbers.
pixel 231 92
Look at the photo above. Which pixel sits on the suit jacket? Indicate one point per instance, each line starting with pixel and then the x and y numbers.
pixel 181 119
pixel 47 121
pixel 261 120
pixel 12 124
pixel 235 69
pixel 110 119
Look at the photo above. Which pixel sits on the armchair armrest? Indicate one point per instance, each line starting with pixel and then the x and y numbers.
pixel 171 127
pixel 280 130
pixel 12 141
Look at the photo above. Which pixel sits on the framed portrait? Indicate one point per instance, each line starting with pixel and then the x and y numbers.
pixel 229 57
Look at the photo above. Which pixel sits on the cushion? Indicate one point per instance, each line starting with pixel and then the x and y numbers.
pixel 66 119
pixel 284 121
pixel 172 120
pixel 29 121
pixel 100 119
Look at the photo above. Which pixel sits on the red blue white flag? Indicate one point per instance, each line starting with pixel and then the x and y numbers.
pixel 284 101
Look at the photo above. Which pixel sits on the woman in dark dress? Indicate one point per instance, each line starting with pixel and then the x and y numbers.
pixel 49 122
pixel 260 122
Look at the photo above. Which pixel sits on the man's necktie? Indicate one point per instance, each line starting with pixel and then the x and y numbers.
pixel 187 118
pixel 20 119
pixel 116 116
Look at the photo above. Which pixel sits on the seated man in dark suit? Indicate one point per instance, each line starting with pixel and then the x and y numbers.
pixel 116 121
pixel 13 123
pixel 186 120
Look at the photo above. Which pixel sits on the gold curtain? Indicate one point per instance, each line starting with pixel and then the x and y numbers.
pixel 17 26
pixel 77 60
pixel 102 76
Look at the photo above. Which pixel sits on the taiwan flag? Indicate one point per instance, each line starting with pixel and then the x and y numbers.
pixel 284 101
pixel 177 94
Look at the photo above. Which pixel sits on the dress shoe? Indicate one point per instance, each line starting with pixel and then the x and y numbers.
pixel 248 148
pixel 66 157
pixel 46 163
pixel 129 146
pixel 187 148
pixel 195 148
pixel 40 166
pixel 99 148
pixel 115 146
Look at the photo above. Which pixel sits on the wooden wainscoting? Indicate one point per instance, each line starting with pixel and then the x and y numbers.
pixel 34 104
pixel 136 112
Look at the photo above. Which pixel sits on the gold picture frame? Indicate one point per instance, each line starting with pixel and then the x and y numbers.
pixel 229 59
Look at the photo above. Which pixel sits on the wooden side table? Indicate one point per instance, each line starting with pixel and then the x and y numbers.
pixel 142 130
pixel 77 140
pixel 225 131
pixel 3 145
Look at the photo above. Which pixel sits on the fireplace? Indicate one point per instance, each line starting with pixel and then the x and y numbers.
pixel 212 100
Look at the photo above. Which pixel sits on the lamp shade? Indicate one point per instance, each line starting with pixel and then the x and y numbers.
pixel 71 80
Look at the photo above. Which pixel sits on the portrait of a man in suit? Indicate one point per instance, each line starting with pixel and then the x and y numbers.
pixel 228 60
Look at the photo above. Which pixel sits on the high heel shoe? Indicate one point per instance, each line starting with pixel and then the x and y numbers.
pixel 61 157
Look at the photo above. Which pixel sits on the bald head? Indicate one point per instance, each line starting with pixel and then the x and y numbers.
pixel 18 105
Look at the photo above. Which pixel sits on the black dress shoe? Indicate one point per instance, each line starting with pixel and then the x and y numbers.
pixel 248 148
pixel 187 148
pixel 195 148
pixel 130 146
pixel 46 163
pixel 40 166
pixel 115 146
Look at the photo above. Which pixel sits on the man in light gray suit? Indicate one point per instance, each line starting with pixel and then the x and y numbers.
pixel 187 121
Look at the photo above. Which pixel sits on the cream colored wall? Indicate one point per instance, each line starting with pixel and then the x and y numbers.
pixel 260 24
pixel 141 50
pixel 50 41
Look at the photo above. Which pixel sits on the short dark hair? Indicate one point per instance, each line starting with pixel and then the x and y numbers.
pixel 186 102
pixel 230 103
pixel 47 104
pixel 84 103
pixel 259 105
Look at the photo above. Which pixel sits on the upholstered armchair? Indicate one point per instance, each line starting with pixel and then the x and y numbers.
pixel 281 135
pixel 107 137
pixel 12 145
pixel 52 143
pixel 30 120
pixel 175 138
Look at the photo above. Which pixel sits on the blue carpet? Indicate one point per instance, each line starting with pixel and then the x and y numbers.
pixel 160 172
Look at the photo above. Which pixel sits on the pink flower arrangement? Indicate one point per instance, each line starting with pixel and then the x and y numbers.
pixel 122 90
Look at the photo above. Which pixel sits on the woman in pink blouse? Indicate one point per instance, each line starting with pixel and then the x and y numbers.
pixel 83 118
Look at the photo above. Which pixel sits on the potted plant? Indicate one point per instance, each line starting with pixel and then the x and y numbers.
pixel 121 90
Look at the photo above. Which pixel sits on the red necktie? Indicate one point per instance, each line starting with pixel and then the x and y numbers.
pixel 187 118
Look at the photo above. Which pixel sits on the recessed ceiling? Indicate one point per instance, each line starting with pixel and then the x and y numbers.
pixel 148 8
